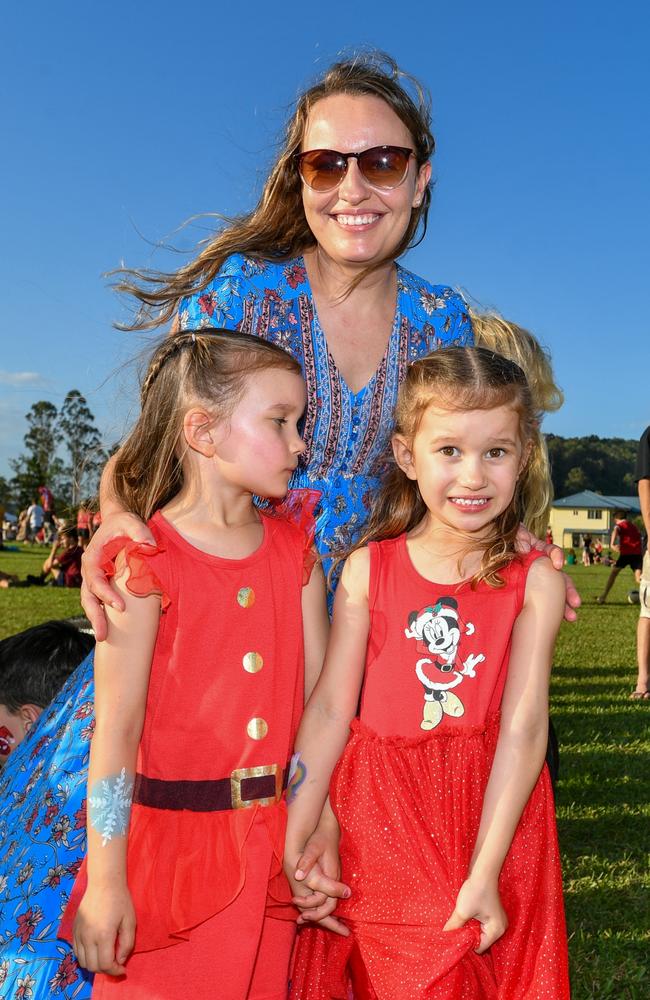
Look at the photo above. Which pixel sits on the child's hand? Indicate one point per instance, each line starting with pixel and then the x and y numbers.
pixel 317 905
pixel 526 541
pixel 479 901
pixel 104 931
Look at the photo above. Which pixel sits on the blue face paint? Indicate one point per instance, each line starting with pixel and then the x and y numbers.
pixel 109 805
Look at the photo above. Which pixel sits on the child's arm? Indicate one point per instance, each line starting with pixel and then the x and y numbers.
pixel 104 928
pixel 316 627
pixel 323 732
pixel 520 750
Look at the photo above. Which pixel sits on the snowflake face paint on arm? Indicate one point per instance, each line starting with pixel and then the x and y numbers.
pixel 297 775
pixel 109 805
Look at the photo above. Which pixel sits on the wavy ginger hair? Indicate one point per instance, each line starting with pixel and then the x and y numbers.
pixel 276 229
pixel 466 378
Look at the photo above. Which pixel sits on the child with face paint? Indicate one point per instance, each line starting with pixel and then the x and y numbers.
pixel 446 634
pixel 200 683
pixel 34 665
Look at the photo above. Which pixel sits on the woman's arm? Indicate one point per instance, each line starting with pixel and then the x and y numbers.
pixel 519 753
pixel 104 928
pixel 96 591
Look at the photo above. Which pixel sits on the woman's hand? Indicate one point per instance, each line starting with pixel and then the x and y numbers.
pixel 526 542
pixel 95 588
pixel 479 901
pixel 104 930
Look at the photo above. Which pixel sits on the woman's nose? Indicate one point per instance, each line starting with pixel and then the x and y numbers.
pixel 353 188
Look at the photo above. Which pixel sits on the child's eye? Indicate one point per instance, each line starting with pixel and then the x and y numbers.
pixel 280 420
pixel 496 452
pixel 449 451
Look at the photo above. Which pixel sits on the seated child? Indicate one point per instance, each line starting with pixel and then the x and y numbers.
pixel 34 665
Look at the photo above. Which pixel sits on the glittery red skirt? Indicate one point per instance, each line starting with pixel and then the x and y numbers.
pixel 410 810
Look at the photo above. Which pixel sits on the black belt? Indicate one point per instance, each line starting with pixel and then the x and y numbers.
pixel 246 786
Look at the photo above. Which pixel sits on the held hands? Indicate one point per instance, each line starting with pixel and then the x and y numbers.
pixel 104 930
pixel 96 589
pixel 479 901
pixel 317 869
pixel 526 542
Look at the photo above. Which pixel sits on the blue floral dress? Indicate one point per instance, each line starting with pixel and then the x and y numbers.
pixel 347 433
pixel 43 787
pixel 42 843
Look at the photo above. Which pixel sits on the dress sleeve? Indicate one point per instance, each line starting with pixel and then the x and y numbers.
pixel 298 509
pixel 142 580
pixel 460 329
pixel 220 303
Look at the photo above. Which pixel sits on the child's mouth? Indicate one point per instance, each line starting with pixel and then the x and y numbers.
pixel 470 503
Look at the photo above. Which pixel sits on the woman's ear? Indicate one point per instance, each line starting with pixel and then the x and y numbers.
pixel 423 178
pixel 198 427
pixel 403 455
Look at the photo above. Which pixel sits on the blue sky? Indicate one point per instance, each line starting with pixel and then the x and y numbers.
pixel 121 120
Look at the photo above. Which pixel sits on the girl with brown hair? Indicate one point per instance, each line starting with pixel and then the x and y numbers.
pixel 200 683
pixel 446 634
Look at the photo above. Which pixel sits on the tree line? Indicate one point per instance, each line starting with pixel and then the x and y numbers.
pixel 62 450
pixel 604 465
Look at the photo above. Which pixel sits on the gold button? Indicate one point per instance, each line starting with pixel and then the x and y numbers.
pixel 257 729
pixel 246 597
pixel 252 662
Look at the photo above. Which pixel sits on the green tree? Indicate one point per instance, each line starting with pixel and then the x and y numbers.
pixel 40 465
pixel 83 444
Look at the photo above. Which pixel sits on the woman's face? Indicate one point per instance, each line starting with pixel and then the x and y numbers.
pixel 356 224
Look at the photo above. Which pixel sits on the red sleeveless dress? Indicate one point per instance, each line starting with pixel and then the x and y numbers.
pixel 408 792
pixel 225 697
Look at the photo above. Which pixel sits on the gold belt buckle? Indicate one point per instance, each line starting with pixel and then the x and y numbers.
pixel 240 773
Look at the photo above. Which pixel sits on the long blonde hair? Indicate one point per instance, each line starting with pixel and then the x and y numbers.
pixel 205 366
pixel 465 378
pixel 277 229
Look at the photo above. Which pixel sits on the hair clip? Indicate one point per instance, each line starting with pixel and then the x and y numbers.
pixel 193 337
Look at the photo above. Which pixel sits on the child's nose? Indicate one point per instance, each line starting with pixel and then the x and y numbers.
pixel 473 474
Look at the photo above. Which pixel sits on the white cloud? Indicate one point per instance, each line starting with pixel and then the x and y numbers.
pixel 20 379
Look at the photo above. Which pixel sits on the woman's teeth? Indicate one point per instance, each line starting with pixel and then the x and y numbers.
pixel 356 220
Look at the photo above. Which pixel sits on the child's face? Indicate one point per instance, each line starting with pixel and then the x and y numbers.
pixel 465 463
pixel 12 732
pixel 259 445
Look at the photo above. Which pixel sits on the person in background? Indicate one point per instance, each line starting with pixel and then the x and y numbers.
pixel 84 519
pixel 626 540
pixel 587 552
pixel 571 558
pixel 62 566
pixel 35 519
pixel 47 503
pixel 34 665
pixel 642 687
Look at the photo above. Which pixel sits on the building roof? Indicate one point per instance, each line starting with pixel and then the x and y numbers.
pixel 589 500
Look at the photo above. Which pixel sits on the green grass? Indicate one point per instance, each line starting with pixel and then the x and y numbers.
pixel 602 799
pixel 21 607
pixel 603 811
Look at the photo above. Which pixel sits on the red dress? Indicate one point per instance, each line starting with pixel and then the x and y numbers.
pixel 225 697
pixel 408 792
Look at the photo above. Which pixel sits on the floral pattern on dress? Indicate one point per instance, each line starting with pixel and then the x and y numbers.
pixel 42 843
pixel 347 433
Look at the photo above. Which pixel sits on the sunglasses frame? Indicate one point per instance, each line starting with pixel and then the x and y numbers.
pixel 299 157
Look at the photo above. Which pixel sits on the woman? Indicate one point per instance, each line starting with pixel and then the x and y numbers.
pixel 312 268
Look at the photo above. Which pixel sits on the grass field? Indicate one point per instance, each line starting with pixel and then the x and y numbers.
pixel 602 797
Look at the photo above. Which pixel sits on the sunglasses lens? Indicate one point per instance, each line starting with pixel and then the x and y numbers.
pixel 384 166
pixel 322 169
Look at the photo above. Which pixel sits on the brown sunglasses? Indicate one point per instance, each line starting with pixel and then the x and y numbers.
pixel 383 167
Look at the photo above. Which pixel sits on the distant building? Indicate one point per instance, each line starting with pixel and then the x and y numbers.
pixel 587 513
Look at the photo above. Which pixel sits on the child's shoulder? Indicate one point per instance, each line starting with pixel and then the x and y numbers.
pixel 544 585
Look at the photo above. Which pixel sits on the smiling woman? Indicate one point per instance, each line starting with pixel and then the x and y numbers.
pixel 312 268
